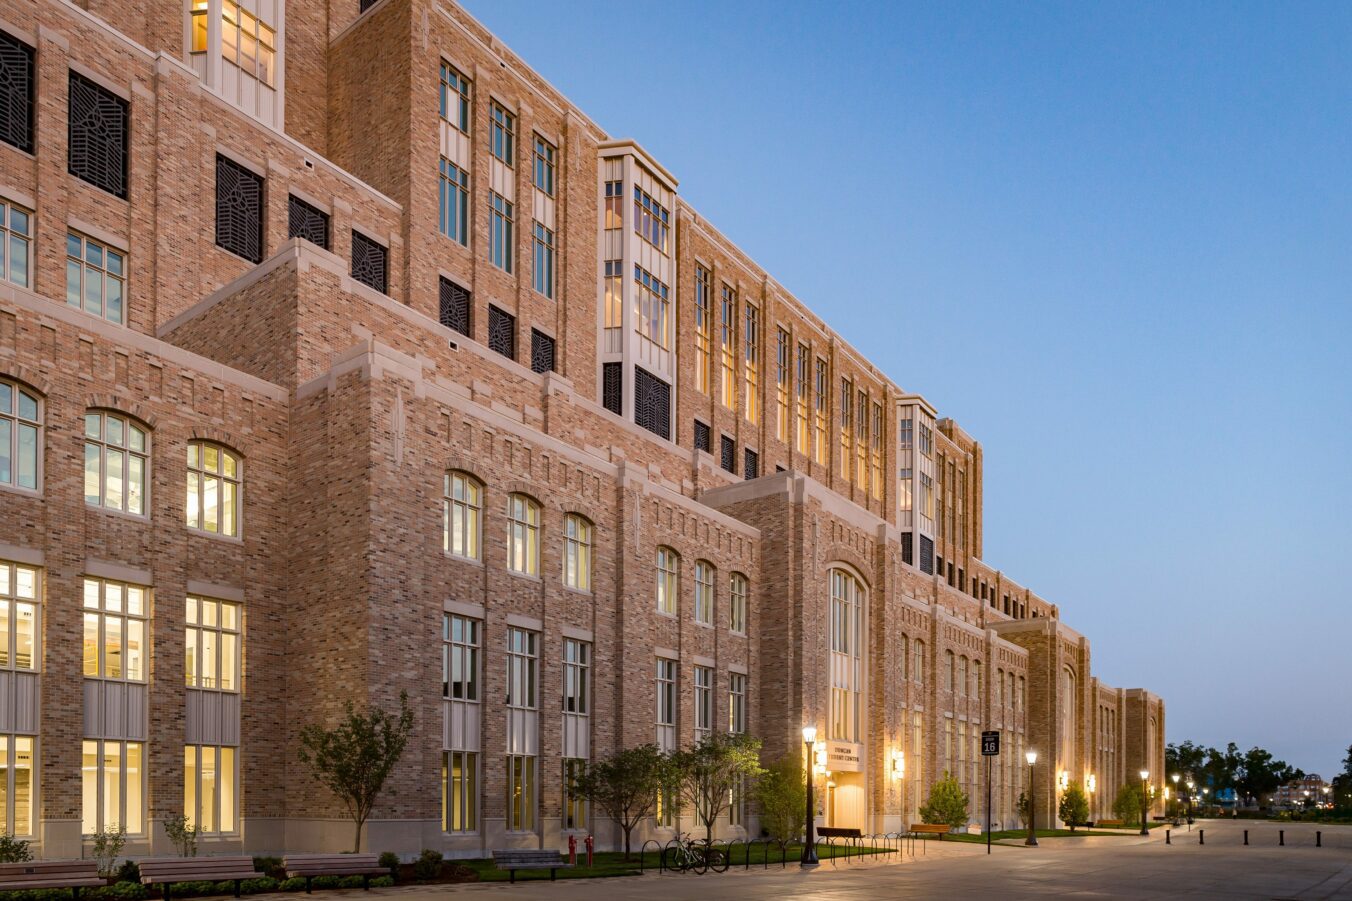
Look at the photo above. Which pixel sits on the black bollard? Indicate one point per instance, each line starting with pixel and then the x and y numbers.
pixel 1201 836
pixel 1281 838
pixel 1167 841
pixel 1246 836
pixel 1318 839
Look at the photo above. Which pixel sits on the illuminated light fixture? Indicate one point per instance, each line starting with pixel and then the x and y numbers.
pixel 1063 780
pixel 1091 783
pixel 898 764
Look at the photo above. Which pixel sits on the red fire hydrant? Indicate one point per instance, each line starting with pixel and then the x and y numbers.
pixel 589 850
pixel 572 850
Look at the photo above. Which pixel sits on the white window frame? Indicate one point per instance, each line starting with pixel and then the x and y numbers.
pixel 667 702
pixel 523 535
pixel 737 703
pixel 126 807
pixel 523 663
pixel 461 639
pixel 12 746
pixel 462 515
pixel 104 448
pixel 14 238
pixel 224 810
pixel 705 601
pixel 93 264
pixel 228 476
pixel 577 552
pixel 523 789
pixel 576 676
pixel 847 636
pixel 704 701
pixel 20 598
pixel 21 416
pixel 208 632
pixel 668 572
pixel 460 797
pixel 102 606
pixel 463 90
pixel 453 202
pixel 739 602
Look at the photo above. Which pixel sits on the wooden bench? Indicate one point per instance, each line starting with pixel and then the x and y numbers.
pixel 312 865
pixel 938 829
pixel 168 870
pixel 32 874
pixel 514 860
pixel 1112 824
pixel 839 832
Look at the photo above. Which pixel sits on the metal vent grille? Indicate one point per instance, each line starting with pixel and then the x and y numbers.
pixel 370 262
pixel 239 210
pixel 502 332
pixel 926 554
pixel 702 437
pixel 652 403
pixel 728 452
pixel 306 221
pixel 908 548
pixel 97 150
pixel 541 352
pixel 750 464
pixel 612 387
pixel 16 93
pixel 455 307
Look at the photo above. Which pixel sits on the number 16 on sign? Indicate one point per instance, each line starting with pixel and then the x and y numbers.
pixel 990 747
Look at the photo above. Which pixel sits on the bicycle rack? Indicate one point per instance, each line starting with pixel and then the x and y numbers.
pixel 642 855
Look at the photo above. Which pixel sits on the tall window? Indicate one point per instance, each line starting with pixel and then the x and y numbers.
pixel 577 552
pixel 542 172
pixel 454 106
pixel 16 241
pixel 370 262
pixel 520 793
pixel 704 701
pixel 703 332
pixel 574 804
pixel 16 784
pixel 248 42
pixel 239 210
pixel 453 202
pixel 861 443
pixel 460 657
pixel 801 387
pixel 502 133
pixel 112 786
pixel 918 661
pixel 960 684
pixel 114 630
pixel 18 616
pixel 876 451
pixel 215 489
pixel 652 306
pixel 651 220
pixel 460 791
pixel 523 535
pixel 96 278
pixel 736 702
pixel 521 662
pixel 737 603
pixel 950 666
pixel 846 660
pixel 728 310
pixel 819 402
pixel 500 227
pixel 576 676
pixel 210 788
pixel 704 592
pixel 846 426
pixel 462 506
pixel 614 208
pixel 666 695
pixel 782 354
pixel 96 137
pixel 668 580
pixel 751 337
pixel 211 644
pixel 20 435
pixel 117 463
pixel 614 303
pixel 542 270
pixel 905 434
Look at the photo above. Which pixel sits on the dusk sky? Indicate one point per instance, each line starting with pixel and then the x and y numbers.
pixel 1114 242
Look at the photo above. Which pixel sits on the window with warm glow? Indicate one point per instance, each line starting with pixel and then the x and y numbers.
pixel 577 552
pixel 19 595
pixel 210 788
pixel 704 592
pixel 668 580
pixel 523 535
pixel 737 603
pixel 112 786
pixel 115 629
pixel 215 489
pixel 462 506
pixel 116 463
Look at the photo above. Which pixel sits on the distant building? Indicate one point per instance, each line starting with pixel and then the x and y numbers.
pixel 1295 792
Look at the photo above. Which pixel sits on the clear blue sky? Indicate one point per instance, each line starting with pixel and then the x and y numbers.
pixel 1114 242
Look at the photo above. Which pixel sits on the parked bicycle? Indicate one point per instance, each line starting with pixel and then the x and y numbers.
pixel 684 853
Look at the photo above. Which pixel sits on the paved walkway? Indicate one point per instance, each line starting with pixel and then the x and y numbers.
pixel 1087 867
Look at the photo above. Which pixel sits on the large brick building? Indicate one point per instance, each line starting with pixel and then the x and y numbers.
pixel 380 367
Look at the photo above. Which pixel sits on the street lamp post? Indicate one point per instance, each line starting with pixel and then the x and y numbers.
pixel 809 858
pixel 1191 787
pixel 1145 774
pixel 1175 777
pixel 1032 807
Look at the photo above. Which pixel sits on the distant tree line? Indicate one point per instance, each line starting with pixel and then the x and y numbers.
pixel 1252 774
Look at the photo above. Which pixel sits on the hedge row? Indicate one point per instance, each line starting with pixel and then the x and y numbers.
pixel 135 891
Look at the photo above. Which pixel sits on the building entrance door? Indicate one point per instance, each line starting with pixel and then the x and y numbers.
pixel 847 810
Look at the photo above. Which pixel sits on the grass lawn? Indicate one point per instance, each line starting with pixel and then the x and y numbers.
pixel 612 863
pixel 1009 834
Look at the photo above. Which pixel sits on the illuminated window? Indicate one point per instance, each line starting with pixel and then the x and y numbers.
pixel 212 644
pixel 819 401
pixel 737 603
pixel 462 506
pixel 96 278
pixel 112 786
pixel 460 657
pixel 950 667
pixel 668 580
pixel 614 208
pixel 17 769
pixel 847 636
pixel 248 42
pixel 727 323
pixel 210 788
pixel 215 489
pixel 20 435
pixel 459 791
pixel 577 552
pixel 918 661
pixel 876 451
pixel 666 692
pixel 652 305
pixel 502 133
pixel 16 241
pixel 115 630
pixel 19 598
pixel 542 173
pixel 454 103
pixel 704 592
pixel 651 220
pixel 574 805
pixel 520 793
pixel 523 535
pixel 751 339
pixel 703 332
pixel 782 363
pixel 801 388
pixel 861 443
pixel 117 463
pixel 846 426
pixel 614 303
pixel 704 701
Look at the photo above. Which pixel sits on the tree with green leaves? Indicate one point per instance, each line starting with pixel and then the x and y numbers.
pixel 354 758
pixel 1024 807
pixel 709 770
pixel 625 785
pixel 781 792
pixel 947 804
pixel 1074 807
pixel 1127 804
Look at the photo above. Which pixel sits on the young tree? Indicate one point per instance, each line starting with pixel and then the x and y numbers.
pixel 625 785
pixel 1127 804
pixel 1074 807
pixel 947 803
pixel 781 792
pixel 709 770
pixel 1024 808
pixel 355 757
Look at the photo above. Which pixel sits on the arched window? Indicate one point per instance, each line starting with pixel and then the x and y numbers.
pixel 116 462
pixel 523 535
pixel 918 662
pixel 668 580
pixel 960 683
pixel 577 550
pixel 462 506
pixel 704 592
pixel 215 489
pixel 1069 724
pixel 976 679
pixel 950 670
pixel 20 435
pixel 847 636
pixel 737 603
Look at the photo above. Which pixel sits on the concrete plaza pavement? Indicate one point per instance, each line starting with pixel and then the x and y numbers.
pixel 1125 866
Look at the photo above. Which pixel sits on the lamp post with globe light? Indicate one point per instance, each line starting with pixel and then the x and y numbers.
pixel 1032 807
pixel 809 858
pixel 1175 777
pixel 1145 799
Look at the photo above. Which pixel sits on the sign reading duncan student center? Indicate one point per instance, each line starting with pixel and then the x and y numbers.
pixel 844 757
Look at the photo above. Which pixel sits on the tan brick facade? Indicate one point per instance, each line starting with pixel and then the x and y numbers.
pixel 348 407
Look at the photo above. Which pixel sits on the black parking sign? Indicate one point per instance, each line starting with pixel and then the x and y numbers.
pixel 990 744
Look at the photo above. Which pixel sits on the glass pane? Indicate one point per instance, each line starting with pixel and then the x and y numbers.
pixel 18 221
pixel 115 483
pixel 114 263
pixel 92 423
pixel 190 785
pixel 136 439
pixel 228 526
pixel 210 651
pixel 112 596
pixel 134 788
pixel 89 779
pixel 210 458
pixel 208 794
pixel 5 625
pixel 73 293
pixel 93 254
pixel 192 506
pixel 74 246
pixel 18 260
pixel 113 305
pixel 208 613
pixel 27 470
pixel 91 593
pixel 190 639
pixel 192 456
pixel 229 662
pixel 114 430
pixel 112 646
pixel 210 504
pixel 229 465
pixel 226 778
pixel 111 761
pixel 91 474
pixel 136 480
pixel 6 398
pixel 25 634
pixel 23 786
pixel 230 616
pixel 93 292
pixel 136 600
pixel 6 446
pixel 136 650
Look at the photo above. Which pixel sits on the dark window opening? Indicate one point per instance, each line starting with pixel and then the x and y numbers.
pixel 97 136
pixel 239 210
pixel 612 387
pixel 541 352
pixel 750 464
pixel 306 221
pixel 370 262
pixel 728 453
pixel 502 332
pixel 652 403
pixel 455 307
pixel 16 93
pixel 702 436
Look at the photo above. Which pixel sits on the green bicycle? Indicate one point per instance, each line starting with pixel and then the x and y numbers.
pixel 698 856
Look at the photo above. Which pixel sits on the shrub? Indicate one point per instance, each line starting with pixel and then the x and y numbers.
pixel 129 872
pixel 1127 804
pixel 182 836
pixel 382 882
pixel 947 803
pixel 269 866
pixel 13 850
pixel 1025 809
pixel 428 865
pixel 328 882
pixel 352 882
pixel 108 844
pixel 782 793
pixel 1074 807
pixel 390 861
pixel 294 884
pixel 120 891
pixel 191 889
pixel 258 886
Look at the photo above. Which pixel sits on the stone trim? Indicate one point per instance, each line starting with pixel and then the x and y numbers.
pixel 117 572
pixel 216 590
